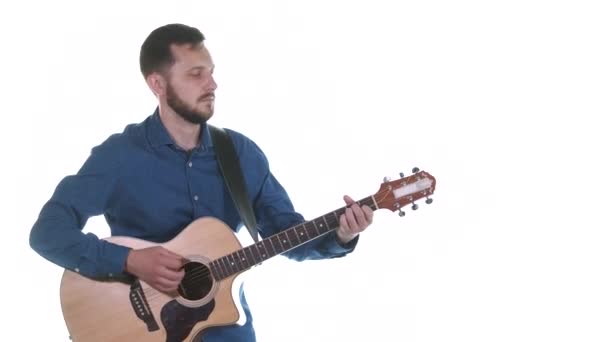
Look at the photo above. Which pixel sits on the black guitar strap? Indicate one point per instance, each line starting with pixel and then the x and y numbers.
pixel 233 176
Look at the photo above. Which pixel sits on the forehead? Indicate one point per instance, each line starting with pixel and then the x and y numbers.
pixel 191 55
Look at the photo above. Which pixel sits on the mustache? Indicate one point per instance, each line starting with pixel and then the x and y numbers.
pixel 206 96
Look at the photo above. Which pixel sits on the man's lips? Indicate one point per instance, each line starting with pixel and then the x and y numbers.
pixel 206 98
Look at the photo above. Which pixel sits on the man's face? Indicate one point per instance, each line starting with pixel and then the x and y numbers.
pixel 190 84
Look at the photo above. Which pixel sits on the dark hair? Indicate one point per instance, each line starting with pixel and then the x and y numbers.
pixel 155 53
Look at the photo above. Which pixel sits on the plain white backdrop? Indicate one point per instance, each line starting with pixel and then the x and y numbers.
pixel 501 101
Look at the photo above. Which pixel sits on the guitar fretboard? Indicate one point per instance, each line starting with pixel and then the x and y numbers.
pixel 276 244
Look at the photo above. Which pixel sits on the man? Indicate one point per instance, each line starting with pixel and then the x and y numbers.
pixel 157 176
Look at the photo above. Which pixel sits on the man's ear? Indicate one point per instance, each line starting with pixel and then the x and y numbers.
pixel 157 83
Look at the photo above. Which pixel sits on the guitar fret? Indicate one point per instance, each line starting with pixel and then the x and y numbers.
pixel 229 265
pixel 243 259
pixel 310 229
pixel 255 253
pixel 269 241
pixel 295 232
pixel 234 266
pixel 340 212
pixel 264 251
pixel 370 202
pixel 220 269
pixel 320 225
pixel 292 237
pixel 284 241
pixel 278 239
pixel 269 251
pixel 276 244
pixel 214 271
pixel 232 260
pixel 326 224
pixel 332 220
pixel 303 231
pixel 316 228
pixel 238 261
pixel 223 266
pixel 300 233
pixel 249 256
pixel 337 218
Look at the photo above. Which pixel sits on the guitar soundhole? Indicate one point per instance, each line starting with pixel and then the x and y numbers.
pixel 197 281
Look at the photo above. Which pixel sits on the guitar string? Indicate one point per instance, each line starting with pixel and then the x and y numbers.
pixel 152 294
pixel 242 264
pixel 199 274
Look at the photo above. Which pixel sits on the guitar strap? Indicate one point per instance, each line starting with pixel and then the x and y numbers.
pixel 230 168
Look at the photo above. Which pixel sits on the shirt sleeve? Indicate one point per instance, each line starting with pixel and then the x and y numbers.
pixel 275 212
pixel 57 233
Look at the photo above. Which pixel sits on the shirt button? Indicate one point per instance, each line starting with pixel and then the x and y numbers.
pixel 196 197
pixel 190 164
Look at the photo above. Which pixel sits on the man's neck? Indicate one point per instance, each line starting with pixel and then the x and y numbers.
pixel 185 134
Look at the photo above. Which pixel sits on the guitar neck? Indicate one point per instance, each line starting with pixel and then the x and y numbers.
pixel 284 241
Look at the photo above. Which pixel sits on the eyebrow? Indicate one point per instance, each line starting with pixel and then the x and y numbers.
pixel 201 68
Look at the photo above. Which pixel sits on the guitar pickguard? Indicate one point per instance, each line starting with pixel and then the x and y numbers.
pixel 179 320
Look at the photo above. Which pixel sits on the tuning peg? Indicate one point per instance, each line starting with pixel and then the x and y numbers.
pixel 401 174
pixel 414 206
pixel 401 212
pixel 387 179
pixel 414 170
pixel 429 200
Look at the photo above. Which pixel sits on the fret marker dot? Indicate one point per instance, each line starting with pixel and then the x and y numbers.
pixel 284 241
pixel 243 259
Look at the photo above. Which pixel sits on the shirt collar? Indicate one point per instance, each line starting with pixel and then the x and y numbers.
pixel 159 136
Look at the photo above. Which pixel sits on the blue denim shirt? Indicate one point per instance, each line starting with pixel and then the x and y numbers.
pixel 147 187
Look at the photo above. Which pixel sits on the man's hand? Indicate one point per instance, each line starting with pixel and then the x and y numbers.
pixel 158 267
pixel 354 220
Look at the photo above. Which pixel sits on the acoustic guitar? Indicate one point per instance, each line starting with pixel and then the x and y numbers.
pixel 131 310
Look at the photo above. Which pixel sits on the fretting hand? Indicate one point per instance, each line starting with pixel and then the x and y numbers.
pixel 354 220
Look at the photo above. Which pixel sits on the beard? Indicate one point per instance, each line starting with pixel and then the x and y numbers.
pixel 185 111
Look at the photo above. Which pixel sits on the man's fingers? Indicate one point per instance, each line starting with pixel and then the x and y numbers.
pixel 173 261
pixel 171 275
pixel 343 222
pixel 171 254
pixel 369 214
pixel 166 285
pixel 349 201
pixel 350 218
pixel 359 216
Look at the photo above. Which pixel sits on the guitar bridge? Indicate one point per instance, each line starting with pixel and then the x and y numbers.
pixel 141 307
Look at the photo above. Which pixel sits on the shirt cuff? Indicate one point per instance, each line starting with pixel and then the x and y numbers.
pixel 338 248
pixel 116 257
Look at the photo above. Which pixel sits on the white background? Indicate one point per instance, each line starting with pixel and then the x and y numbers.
pixel 500 101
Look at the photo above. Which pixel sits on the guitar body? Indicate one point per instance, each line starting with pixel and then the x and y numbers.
pixel 108 311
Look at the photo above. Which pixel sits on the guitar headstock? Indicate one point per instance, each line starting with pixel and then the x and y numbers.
pixel 394 195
